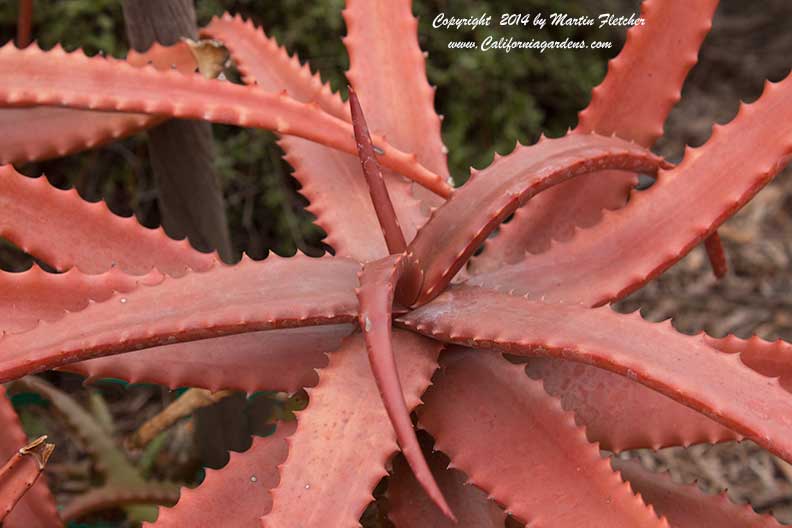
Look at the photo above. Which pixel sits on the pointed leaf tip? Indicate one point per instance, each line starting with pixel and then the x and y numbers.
pixel 331 180
pixel 346 424
pixel 394 237
pixel 377 282
pixel 408 504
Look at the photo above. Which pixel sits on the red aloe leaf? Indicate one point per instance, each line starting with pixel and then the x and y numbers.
pixel 271 360
pixel 382 43
pixel 56 78
pixel 52 132
pixel 464 222
pixel 682 367
pixel 770 358
pixel 21 471
pixel 330 179
pixel 633 101
pixel 345 431
pixel 386 215
pixel 65 231
pixel 260 60
pixel 686 506
pixel 642 85
pixel 237 495
pixel 377 282
pixel 516 443
pixel 613 409
pixel 409 505
pixel 684 206
pixel 277 360
pixel 35 295
pixel 36 509
pixel 339 198
pixel 248 297
pixel 114 496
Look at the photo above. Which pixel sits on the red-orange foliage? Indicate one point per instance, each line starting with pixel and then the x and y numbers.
pixel 375 317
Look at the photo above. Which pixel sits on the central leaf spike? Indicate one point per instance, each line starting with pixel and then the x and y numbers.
pixel 378 280
pixel 386 214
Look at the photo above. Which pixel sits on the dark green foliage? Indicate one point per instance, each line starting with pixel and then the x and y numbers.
pixel 94 25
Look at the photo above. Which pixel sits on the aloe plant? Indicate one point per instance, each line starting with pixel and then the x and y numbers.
pixel 403 311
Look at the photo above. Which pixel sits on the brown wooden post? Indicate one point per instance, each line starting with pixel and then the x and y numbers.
pixel 181 152
pixel 191 202
pixel 24 23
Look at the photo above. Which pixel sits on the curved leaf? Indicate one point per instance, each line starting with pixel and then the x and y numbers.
pixel 260 60
pixel 682 367
pixel 613 409
pixel 457 228
pixel 686 506
pixel 276 360
pixel 248 297
pixel 518 444
pixel 377 283
pixel 237 495
pixel 344 437
pixel 331 180
pixel 280 360
pixel 65 231
pixel 35 295
pixel 56 78
pixel 53 132
pixel 409 506
pixel 640 89
pixel 388 69
pixel 770 358
pixel 684 206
